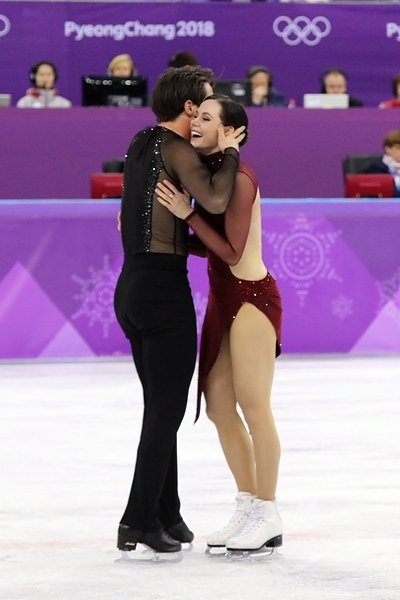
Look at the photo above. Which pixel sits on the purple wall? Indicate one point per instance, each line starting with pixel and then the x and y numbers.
pixel 336 264
pixel 295 153
pixel 363 40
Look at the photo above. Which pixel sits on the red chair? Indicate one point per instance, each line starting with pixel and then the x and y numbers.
pixel 106 185
pixel 369 186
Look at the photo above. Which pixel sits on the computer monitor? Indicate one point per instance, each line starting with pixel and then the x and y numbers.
pixel 237 89
pixel 326 101
pixel 100 90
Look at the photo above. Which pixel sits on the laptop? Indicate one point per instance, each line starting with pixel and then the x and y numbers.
pixel 326 101
pixel 237 89
pixel 5 100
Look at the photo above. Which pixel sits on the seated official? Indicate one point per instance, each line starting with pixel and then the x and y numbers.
pixel 43 94
pixel 182 59
pixel 121 65
pixel 390 161
pixel 334 81
pixel 395 101
pixel 263 93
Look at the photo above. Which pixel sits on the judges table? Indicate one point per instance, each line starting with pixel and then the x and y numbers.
pixel 337 263
pixel 47 154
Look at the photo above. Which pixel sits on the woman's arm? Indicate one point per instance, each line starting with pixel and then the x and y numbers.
pixel 230 247
pixel 212 192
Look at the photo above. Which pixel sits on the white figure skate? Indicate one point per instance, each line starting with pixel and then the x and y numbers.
pixel 260 536
pixel 217 540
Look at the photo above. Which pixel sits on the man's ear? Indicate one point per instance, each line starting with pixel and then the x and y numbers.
pixel 189 108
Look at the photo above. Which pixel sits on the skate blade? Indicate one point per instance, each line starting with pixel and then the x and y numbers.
pixel 148 555
pixel 215 551
pixel 263 553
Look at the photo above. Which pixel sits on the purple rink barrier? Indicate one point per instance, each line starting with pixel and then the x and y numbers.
pixel 296 41
pixel 337 263
pixel 295 153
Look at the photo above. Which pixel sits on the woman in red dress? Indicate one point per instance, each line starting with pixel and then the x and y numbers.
pixel 240 337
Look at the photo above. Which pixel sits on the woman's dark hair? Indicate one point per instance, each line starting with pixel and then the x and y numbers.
pixel 232 113
pixel 175 87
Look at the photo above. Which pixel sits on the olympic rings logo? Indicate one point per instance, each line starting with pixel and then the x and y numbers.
pixel 302 29
pixel 5 25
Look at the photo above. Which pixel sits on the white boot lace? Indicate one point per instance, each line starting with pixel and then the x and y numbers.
pixel 241 512
pixel 254 521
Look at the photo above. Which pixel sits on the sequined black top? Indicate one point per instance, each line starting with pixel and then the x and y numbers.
pixel 157 153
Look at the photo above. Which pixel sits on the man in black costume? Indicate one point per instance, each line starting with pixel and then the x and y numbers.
pixel 153 301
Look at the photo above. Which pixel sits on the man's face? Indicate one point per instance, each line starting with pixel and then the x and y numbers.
pixel 260 80
pixel 208 91
pixel 335 83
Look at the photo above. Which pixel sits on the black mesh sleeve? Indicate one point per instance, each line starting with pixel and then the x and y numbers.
pixel 212 192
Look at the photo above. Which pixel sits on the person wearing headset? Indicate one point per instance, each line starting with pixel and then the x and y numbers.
pixel 121 65
pixel 182 59
pixel 43 94
pixel 334 81
pixel 395 101
pixel 263 92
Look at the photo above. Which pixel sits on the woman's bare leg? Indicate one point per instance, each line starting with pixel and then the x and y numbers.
pixel 233 435
pixel 252 351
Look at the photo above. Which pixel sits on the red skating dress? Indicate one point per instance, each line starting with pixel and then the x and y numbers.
pixel 225 237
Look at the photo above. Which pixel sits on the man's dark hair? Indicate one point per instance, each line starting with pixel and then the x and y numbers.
pixel 174 87
pixel 232 113
pixel 325 74
pixel 251 71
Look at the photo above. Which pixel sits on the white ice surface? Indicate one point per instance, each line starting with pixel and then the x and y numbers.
pixel 68 441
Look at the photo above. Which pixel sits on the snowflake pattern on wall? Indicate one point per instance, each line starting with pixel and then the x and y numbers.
pixel 389 291
pixel 97 296
pixel 200 305
pixel 302 255
pixel 342 307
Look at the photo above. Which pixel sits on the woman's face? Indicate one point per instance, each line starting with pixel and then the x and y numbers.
pixel 204 128
pixel 44 77
pixel 123 68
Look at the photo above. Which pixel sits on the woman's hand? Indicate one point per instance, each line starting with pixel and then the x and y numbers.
pixel 230 140
pixel 177 202
pixel 119 221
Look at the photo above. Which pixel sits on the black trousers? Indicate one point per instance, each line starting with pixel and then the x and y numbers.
pixel 154 307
